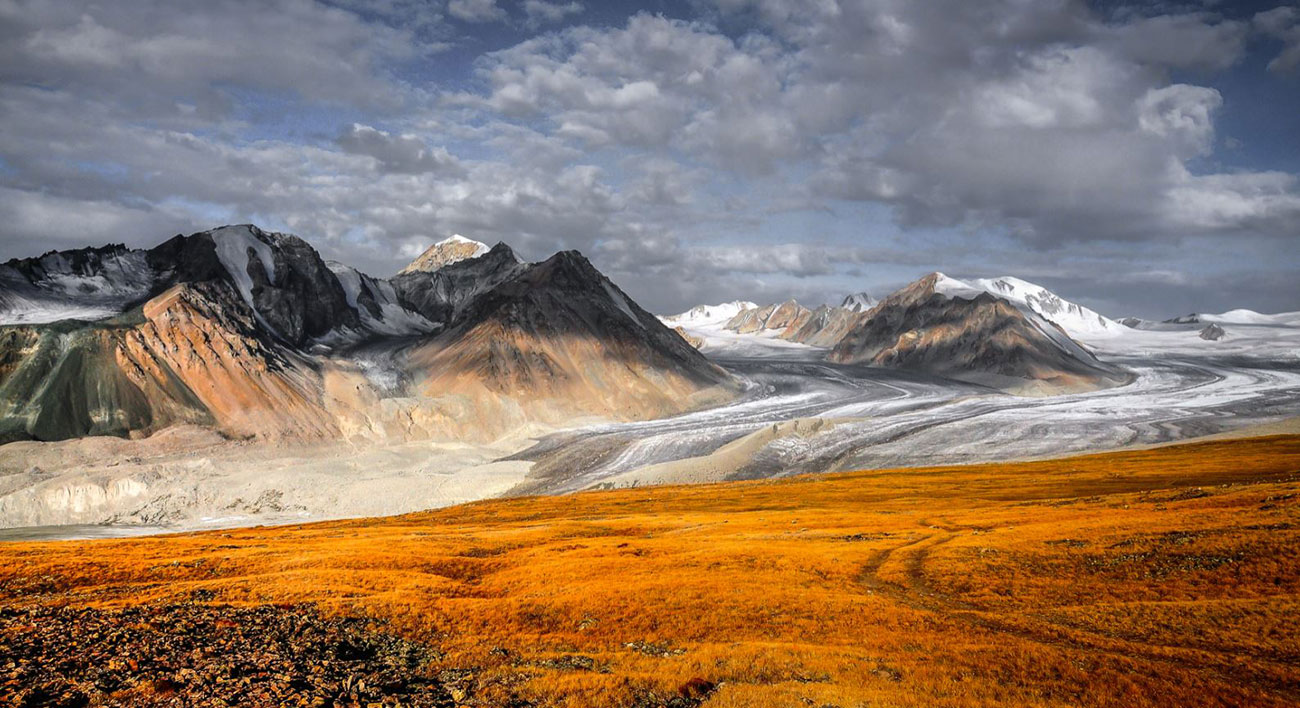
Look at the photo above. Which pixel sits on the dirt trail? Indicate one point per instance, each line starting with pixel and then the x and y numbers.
pixel 916 592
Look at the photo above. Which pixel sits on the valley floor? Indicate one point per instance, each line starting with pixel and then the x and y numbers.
pixel 1160 577
pixel 798 414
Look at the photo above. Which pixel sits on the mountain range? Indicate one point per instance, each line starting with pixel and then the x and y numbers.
pixel 1002 332
pixel 252 333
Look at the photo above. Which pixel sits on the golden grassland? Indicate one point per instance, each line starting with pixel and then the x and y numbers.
pixel 1163 577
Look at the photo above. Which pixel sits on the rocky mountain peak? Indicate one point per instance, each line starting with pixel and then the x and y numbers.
pixel 859 302
pixel 445 252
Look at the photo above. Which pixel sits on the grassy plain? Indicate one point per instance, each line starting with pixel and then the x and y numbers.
pixel 1162 577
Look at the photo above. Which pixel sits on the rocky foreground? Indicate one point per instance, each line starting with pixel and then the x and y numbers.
pixel 200 655
pixel 192 654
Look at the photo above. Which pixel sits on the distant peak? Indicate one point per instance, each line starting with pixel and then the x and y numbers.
pixel 457 238
pixel 858 302
pixel 452 249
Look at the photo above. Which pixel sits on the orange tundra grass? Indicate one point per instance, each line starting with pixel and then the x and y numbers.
pixel 1162 577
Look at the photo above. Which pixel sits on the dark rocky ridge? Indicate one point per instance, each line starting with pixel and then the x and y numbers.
pixel 440 295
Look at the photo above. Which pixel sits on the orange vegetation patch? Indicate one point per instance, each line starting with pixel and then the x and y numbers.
pixel 1165 577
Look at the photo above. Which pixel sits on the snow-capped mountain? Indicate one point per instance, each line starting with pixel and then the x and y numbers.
pixel 88 284
pixel 1075 319
pixel 859 302
pixel 944 326
pixel 781 316
pixel 445 252
pixel 708 314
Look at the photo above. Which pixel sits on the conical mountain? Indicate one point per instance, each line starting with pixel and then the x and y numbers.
pixel 563 332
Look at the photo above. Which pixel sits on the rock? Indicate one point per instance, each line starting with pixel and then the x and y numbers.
pixel 1212 333
pixel 201 655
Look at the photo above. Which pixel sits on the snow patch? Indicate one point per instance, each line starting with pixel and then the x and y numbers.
pixel 952 287
pixel 1243 316
pixel 708 314
pixel 57 291
pixel 621 302
pixel 393 319
pixel 233 244
pixel 1075 319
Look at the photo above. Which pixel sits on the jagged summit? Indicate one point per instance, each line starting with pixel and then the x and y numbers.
pixel 450 250
pixel 858 302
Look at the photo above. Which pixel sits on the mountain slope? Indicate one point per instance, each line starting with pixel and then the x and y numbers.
pixel 825 327
pixel 983 339
pixel 569 337
pixel 88 284
pixel 440 295
pixel 194 354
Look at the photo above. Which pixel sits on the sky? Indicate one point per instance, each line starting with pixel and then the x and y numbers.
pixel 1139 158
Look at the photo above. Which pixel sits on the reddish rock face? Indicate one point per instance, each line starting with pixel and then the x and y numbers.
pixel 824 327
pixel 786 315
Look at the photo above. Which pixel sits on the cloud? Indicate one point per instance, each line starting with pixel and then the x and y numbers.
pixel 50 222
pixel 835 141
pixel 403 154
pixel 147 57
pixel 657 83
pixel 475 10
pixel 540 12
pixel 1282 23
pixel 1185 41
